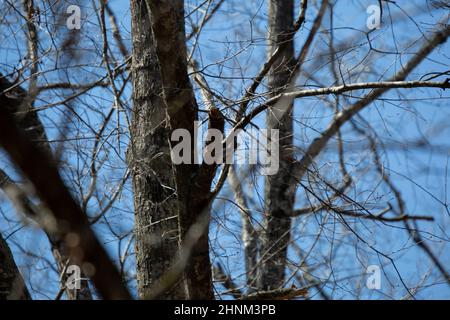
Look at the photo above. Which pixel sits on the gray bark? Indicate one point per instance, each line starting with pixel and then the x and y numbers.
pixel 279 194
pixel 155 199
pixel 193 182
pixel 249 234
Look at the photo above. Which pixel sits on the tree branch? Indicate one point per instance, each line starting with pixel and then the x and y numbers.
pixel 69 222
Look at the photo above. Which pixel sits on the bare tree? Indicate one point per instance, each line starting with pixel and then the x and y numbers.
pixel 354 101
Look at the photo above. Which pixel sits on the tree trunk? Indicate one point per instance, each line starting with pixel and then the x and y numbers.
pixel 193 182
pixel 155 199
pixel 278 194
pixel 12 286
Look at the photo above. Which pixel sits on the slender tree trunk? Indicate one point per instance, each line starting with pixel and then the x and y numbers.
pixel 12 286
pixel 249 235
pixel 278 194
pixel 155 199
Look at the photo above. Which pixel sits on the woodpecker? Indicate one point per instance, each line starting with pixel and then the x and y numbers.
pixel 216 119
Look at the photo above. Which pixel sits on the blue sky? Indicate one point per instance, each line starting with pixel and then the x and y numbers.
pixel 236 36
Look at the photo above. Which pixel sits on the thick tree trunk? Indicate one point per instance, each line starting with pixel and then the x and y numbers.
pixel 155 199
pixel 278 194
pixel 193 182
pixel 12 286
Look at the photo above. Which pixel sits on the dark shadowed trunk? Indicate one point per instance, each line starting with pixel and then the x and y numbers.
pixel 12 286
